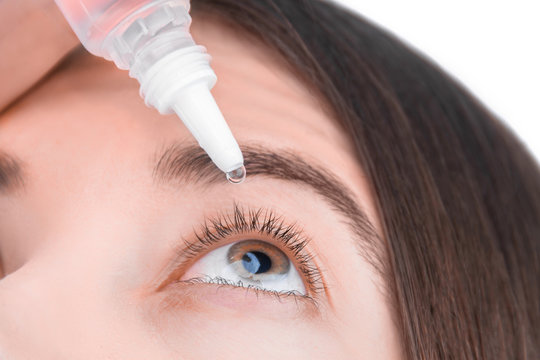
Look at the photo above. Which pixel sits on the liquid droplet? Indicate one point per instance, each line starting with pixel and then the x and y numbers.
pixel 237 176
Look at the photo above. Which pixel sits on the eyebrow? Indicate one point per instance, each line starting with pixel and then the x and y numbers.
pixel 11 175
pixel 189 164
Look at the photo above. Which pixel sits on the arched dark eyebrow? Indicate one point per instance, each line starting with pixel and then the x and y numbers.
pixel 190 164
pixel 11 175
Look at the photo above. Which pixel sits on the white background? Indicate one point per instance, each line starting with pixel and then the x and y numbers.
pixel 492 47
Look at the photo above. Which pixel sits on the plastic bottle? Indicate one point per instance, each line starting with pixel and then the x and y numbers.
pixel 151 39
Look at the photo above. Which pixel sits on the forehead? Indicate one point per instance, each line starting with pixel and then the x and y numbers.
pixel 257 91
pixel 88 118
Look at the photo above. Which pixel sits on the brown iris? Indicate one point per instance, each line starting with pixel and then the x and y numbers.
pixel 258 260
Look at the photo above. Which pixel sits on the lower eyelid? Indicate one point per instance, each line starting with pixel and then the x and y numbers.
pixel 208 297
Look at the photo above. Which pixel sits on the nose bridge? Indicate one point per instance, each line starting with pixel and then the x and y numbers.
pixel 114 252
pixel 37 310
pixel 55 302
pixel 102 246
pixel 78 262
pixel 65 308
pixel 77 284
pixel 97 249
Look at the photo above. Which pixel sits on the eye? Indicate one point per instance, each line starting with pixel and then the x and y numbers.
pixel 271 256
pixel 248 263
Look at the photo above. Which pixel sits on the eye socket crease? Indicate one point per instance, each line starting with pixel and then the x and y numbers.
pixel 189 164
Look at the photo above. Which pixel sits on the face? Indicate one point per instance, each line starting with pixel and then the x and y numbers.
pixel 123 241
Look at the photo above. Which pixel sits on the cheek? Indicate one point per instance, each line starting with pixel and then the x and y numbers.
pixel 225 334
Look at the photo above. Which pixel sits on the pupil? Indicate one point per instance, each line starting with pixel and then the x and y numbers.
pixel 256 262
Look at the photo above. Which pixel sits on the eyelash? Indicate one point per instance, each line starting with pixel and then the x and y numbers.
pixel 262 222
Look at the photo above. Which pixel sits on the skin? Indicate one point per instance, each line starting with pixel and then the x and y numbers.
pixel 37 29
pixel 87 239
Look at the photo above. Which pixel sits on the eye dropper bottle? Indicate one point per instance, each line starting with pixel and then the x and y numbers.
pixel 151 39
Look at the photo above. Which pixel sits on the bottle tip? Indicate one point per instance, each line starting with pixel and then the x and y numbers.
pixel 237 176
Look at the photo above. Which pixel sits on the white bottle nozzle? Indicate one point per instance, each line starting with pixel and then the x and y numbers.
pixel 152 40
pixel 180 82
pixel 201 115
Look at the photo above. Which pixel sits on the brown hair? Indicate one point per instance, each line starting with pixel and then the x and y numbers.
pixel 458 195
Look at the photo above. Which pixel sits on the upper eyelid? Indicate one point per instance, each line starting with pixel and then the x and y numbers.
pixel 214 230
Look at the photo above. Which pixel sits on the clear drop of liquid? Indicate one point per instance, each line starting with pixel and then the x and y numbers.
pixel 237 176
